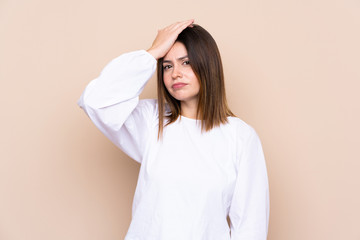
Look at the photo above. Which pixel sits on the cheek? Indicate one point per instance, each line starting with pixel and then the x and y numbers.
pixel 195 81
pixel 167 81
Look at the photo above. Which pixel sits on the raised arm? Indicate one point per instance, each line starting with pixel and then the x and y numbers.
pixel 112 99
pixel 112 103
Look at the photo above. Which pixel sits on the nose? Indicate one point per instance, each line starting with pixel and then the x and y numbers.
pixel 176 73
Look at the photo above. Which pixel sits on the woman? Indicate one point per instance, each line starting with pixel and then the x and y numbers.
pixel 199 163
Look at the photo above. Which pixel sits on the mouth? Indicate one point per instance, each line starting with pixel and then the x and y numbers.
pixel 178 85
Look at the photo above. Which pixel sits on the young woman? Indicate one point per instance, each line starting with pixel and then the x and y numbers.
pixel 199 163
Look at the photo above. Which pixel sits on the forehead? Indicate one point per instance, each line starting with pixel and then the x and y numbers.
pixel 178 50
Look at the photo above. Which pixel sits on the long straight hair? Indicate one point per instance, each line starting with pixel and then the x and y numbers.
pixel 205 61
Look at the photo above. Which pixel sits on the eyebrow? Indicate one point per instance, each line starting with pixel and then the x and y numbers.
pixel 180 58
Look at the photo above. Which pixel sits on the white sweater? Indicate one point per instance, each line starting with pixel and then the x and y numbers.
pixel 191 180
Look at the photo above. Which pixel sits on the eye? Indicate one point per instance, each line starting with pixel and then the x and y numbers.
pixel 166 67
pixel 186 62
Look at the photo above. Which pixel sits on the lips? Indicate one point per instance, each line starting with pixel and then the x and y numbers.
pixel 178 85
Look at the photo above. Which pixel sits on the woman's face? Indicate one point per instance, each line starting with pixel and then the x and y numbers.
pixel 179 78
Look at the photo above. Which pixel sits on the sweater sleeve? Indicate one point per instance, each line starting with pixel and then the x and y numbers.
pixel 112 101
pixel 249 210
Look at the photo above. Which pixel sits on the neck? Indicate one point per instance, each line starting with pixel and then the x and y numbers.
pixel 189 109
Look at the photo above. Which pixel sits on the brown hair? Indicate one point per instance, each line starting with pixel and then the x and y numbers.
pixel 205 61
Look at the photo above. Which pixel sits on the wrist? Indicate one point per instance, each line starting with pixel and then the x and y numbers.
pixel 153 53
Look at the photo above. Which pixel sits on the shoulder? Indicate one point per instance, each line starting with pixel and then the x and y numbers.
pixel 247 140
pixel 243 130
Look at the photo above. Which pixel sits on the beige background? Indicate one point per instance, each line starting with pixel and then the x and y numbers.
pixel 292 72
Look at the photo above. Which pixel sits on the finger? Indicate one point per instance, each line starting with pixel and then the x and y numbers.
pixel 185 24
pixel 178 28
pixel 181 25
pixel 174 25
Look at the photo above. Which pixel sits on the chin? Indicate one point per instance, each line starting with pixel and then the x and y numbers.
pixel 184 99
pixel 180 98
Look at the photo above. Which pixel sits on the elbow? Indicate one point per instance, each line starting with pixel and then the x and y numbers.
pixel 86 104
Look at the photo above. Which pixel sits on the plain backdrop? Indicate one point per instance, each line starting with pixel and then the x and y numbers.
pixel 292 71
